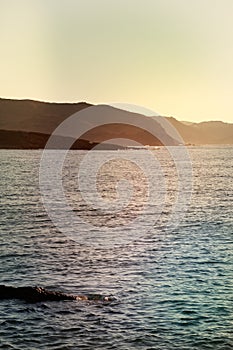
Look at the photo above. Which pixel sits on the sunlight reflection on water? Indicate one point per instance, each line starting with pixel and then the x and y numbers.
pixel 173 290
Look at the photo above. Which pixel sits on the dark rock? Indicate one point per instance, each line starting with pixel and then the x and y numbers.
pixel 38 294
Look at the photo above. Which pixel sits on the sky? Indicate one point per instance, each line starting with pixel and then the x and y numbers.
pixel 174 57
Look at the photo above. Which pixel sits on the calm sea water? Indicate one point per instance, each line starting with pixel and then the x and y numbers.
pixel 173 289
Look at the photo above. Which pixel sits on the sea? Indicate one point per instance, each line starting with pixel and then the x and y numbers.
pixel 165 259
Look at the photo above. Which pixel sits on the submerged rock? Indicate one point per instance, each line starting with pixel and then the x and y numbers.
pixel 37 294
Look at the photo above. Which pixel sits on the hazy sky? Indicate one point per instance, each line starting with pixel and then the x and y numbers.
pixel 172 56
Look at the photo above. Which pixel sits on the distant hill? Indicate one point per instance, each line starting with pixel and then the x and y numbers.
pixel 28 124
pixel 35 116
pixel 40 119
pixel 212 132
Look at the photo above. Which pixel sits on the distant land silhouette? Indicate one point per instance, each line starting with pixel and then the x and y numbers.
pixel 204 133
pixel 27 124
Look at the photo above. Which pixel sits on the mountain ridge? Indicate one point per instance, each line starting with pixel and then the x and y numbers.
pixel 206 132
pixel 39 117
pixel 43 118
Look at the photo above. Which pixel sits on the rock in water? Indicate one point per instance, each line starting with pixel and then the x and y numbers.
pixel 37 294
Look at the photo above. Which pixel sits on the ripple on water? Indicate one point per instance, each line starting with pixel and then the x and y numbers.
pixel 173 291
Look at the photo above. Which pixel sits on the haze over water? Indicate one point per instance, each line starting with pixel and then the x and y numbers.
pixel 174 290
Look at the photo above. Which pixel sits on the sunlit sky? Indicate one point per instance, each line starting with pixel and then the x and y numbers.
pixel 172 56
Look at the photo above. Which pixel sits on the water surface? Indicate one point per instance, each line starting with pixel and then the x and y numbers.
pixel 173 289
